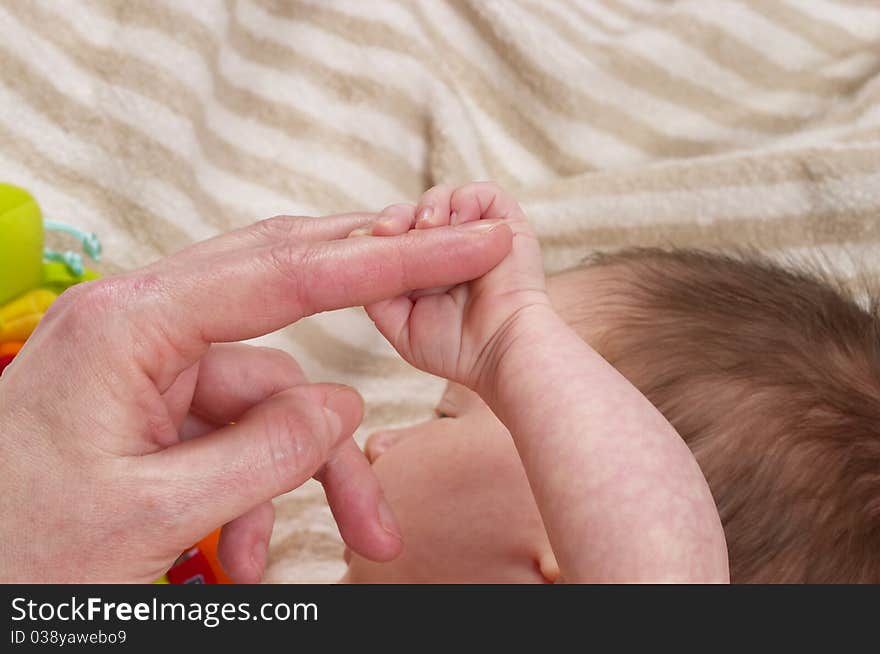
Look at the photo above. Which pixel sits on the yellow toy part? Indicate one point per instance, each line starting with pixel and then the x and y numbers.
pixel 19 329
pixel 36 301
pixel 21 242
pixel 19 318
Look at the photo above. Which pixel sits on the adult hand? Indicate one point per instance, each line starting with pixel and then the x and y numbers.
pixel 128 433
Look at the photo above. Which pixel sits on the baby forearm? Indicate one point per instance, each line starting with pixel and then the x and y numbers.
pixel 620 494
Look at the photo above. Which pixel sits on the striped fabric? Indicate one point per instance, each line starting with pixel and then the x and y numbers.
pixel 616 122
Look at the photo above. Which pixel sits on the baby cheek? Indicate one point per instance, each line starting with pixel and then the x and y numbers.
pixel 463 504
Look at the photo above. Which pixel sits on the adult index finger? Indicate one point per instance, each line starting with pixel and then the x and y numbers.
pixel 268 231
pixel 256 291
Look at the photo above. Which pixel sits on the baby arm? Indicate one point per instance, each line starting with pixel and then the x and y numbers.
pixel 620 494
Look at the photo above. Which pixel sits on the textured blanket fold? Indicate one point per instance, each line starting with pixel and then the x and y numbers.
pixel 615 122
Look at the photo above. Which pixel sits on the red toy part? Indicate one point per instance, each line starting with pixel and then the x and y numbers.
pixel 5 360
pixel 199 564
pixel 191 568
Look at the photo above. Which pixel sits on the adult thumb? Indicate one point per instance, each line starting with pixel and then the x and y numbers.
pixel 275 447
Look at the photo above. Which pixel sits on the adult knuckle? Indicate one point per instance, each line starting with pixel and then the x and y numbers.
pixel 67 299
pixel 288 258
pixel 295 446
pixel 81 305
pixel 90 298
pixel 267 227
pixel 115 293
pixel 278 227
pixel 292 262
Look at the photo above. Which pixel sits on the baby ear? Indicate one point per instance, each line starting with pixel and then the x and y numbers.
pixel 548 566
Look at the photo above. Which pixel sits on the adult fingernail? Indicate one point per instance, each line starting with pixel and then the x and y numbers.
pixel 336 404
pixel 387 519
pixel 424 217
pixel 479 226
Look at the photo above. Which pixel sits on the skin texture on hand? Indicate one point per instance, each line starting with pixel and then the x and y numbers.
pixel 116 417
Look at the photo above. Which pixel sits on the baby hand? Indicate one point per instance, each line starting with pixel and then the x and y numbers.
pixel 460 332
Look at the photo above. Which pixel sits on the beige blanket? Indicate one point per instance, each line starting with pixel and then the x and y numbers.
pixel 616 122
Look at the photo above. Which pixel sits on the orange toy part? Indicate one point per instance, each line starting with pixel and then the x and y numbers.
pixel 11 347
pixel 208 546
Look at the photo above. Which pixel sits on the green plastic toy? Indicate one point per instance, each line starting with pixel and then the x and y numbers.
pixel 24 263
pixel 21 242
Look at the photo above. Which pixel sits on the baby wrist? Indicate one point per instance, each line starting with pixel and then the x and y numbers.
pixel 515 345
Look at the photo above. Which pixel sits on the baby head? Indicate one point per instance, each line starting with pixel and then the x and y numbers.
pixel 771 376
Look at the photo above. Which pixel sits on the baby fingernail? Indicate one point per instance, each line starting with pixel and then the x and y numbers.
pixel 387 519
pixel 479 226
pixel 361 231
pixel 425 215
pixel 453 218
